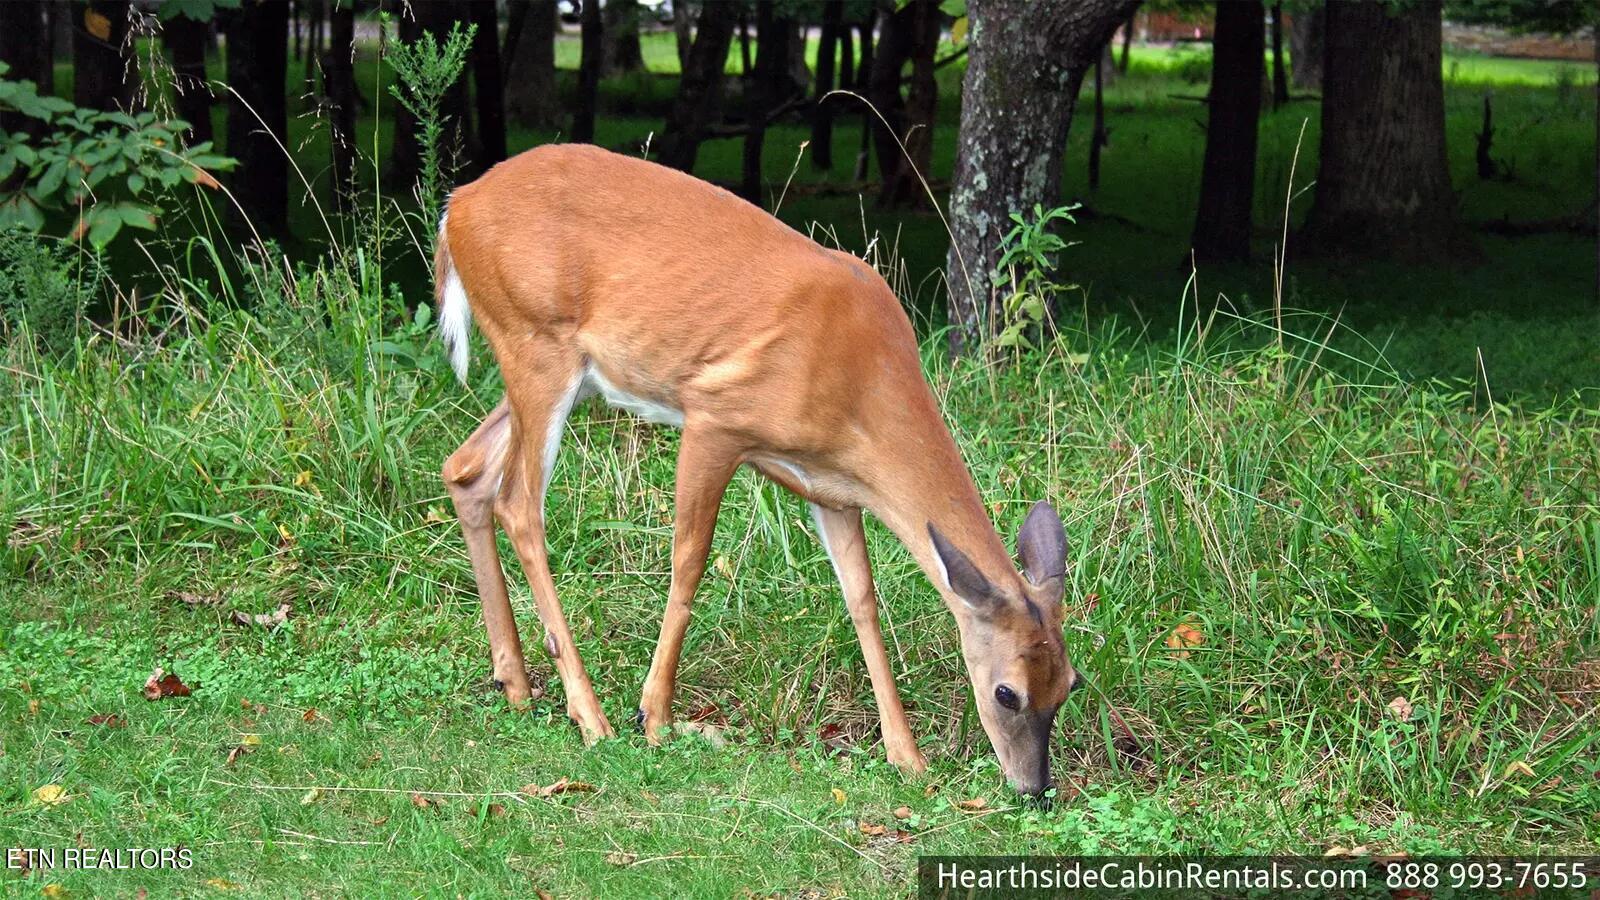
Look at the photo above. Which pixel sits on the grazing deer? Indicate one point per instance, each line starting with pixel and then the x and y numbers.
pixel 591 272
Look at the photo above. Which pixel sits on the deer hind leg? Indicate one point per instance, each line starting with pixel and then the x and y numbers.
pixel 842 536
pixel 473 476
pixel 540 400
pixel 706 463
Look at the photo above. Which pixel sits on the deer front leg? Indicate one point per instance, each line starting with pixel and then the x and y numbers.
pixel 540 400
pixel 706 463
pixel 472 475
pixel 842 536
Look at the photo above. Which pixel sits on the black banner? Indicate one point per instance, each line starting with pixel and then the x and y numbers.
pixel 1256 876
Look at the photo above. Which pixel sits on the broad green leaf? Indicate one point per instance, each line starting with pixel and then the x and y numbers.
pixel 136 216
pixel 103 227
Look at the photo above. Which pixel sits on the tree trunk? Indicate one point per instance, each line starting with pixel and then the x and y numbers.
pixel 1025 66
pixel 700 87
pixel 258 122
pixel 622 53
pixel 763 94
pixel 588 74
pixel 186 42
pixel 744 44
pixel 1127 43
pixel 1228 179
pixel 488 89
pixel 1280 81
pixel 314 13
pixel 103 76
pixel 1098 138
pixel 1306 47
pixel 22 31
pixel 1597 162
pixel 530 82
pixel 863 86
pixel 1383 187
pixel 822 110
pixel 847 57
pixel 339 84
pixel 910 33
pixel 65 19
pixel 682 33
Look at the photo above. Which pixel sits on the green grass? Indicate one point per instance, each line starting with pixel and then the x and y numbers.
pixel 1339 543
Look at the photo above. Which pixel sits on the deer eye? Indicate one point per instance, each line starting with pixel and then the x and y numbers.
pixel 1006 697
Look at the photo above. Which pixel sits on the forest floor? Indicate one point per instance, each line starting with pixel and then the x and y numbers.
pixel 1338 606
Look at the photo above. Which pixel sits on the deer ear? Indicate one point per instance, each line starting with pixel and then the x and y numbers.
pixel 1042 545
pixel 960 575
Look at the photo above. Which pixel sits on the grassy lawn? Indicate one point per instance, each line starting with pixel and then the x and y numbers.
pixel 1336 603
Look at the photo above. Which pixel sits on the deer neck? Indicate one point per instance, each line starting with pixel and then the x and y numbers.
pixel 920 480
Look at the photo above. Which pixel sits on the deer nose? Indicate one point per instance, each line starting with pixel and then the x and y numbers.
pixel 1035 793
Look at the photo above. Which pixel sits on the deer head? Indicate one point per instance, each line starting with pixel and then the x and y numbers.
pixel 1011 639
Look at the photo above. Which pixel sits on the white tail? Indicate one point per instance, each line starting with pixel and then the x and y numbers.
pixel 455 313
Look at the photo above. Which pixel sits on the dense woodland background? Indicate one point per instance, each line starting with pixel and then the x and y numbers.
pixel 1427 184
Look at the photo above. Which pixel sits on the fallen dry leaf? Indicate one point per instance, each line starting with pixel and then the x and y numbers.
pixel 621 858
pixel 902 812
pixel 1519 768
pixel 309 715
pixel 236 752
pixel 311 797
pixel 566 786
pixel 50 795
pixel 1401 709
pixel 497 810
pixel 161 685
pixel 33 706
pixel 54 890
pixel 872 829
pixel 931 789
pixel 838 796
pixel 191 598
pixel 222 884
pixel 1186 635
pixel 711 733
pixel 834 737
pixel 107 720
pixel 711 712
pixel 421 802
pixel 266 620
pixel 973 805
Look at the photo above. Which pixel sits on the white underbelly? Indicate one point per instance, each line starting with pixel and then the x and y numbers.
pixel 649 410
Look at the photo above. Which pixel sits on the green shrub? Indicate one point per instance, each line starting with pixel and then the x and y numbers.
pixel 45 285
